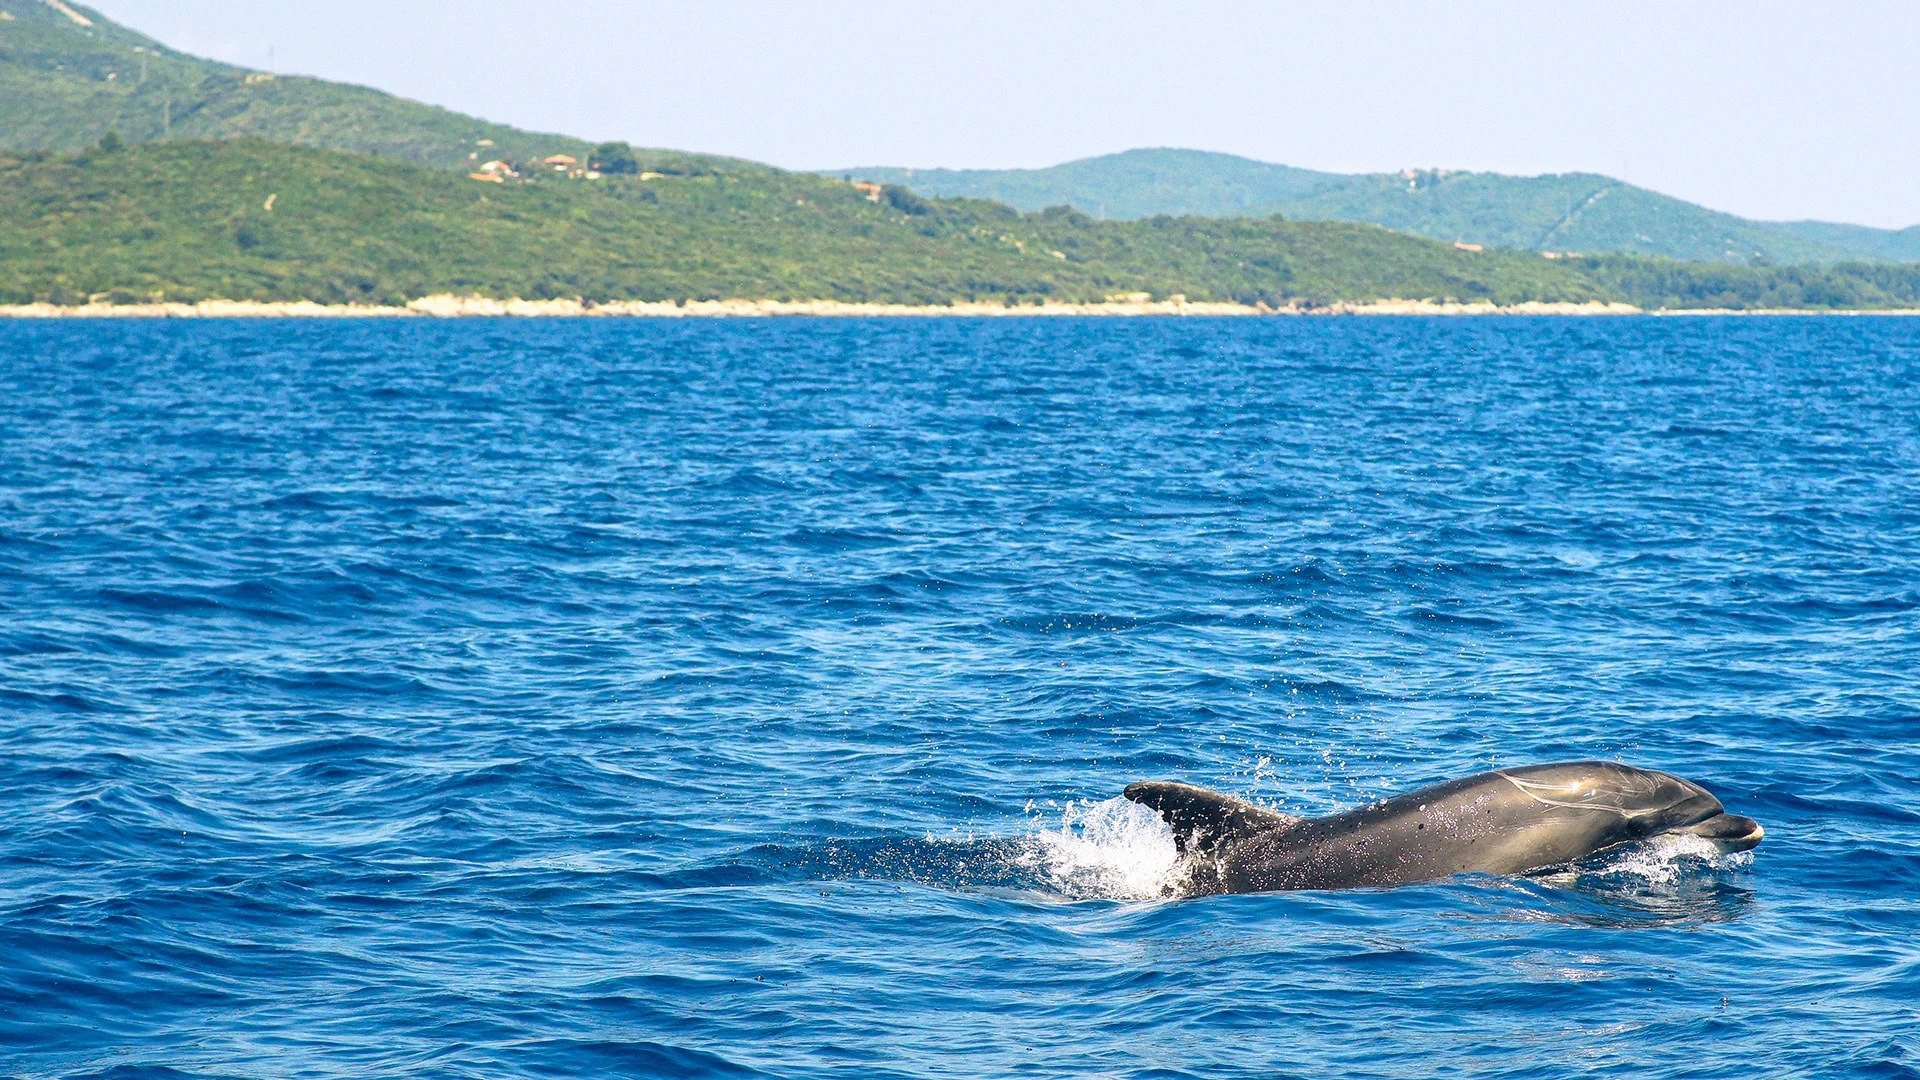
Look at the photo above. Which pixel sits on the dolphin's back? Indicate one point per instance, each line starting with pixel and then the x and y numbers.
pixel 1508 821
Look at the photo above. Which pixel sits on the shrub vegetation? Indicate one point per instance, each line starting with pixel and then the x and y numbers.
pixel 253 220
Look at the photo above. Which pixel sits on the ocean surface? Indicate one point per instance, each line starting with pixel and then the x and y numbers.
pixel 751 698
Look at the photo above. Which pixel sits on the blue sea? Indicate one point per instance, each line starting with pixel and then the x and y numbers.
pixel 492 698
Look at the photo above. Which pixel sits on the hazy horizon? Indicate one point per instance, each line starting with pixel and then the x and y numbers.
pixel 1762 110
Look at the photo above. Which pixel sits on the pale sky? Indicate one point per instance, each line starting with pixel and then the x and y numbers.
pixel 1770 110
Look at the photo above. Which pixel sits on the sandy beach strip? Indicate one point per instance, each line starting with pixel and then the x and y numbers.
pixel 448 307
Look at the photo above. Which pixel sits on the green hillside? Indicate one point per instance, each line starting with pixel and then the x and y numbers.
pixel 1126 186
pixel 68 76
pixel 1568 212
pixel 1889 245
pixel 1578 212
pixel 247 219
pixel 188 220
pixel 63 85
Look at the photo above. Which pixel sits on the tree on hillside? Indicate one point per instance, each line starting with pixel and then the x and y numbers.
pixel 614 157
pixel 906 201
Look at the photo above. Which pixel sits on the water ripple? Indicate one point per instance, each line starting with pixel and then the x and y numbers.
pixel 491 698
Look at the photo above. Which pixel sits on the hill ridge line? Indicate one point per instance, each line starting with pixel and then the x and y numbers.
pixel 1565 211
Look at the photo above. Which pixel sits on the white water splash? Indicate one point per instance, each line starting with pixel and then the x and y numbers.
pixel 1115 849
pixel 1667 858
pixel 1664 861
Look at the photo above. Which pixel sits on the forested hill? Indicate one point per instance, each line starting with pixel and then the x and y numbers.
pixel 1126 186
pixel 1889 245
pixel 67 77
pixel 1571 212
pixel 251 220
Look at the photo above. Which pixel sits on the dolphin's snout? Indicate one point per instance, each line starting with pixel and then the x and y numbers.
pixel 1729 832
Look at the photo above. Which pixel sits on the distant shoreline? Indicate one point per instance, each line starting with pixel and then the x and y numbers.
pixel 482 307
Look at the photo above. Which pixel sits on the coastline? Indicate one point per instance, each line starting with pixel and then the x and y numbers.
pixel 447 306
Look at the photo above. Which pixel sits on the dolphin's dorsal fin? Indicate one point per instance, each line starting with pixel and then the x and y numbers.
pixel 1202 819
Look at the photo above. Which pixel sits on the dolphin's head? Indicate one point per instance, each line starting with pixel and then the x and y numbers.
pixel 1638 803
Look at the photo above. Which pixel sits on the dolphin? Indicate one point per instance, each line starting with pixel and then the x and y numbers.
pixel 1507 821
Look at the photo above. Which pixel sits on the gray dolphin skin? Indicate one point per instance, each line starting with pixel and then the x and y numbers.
pixel 1508 821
